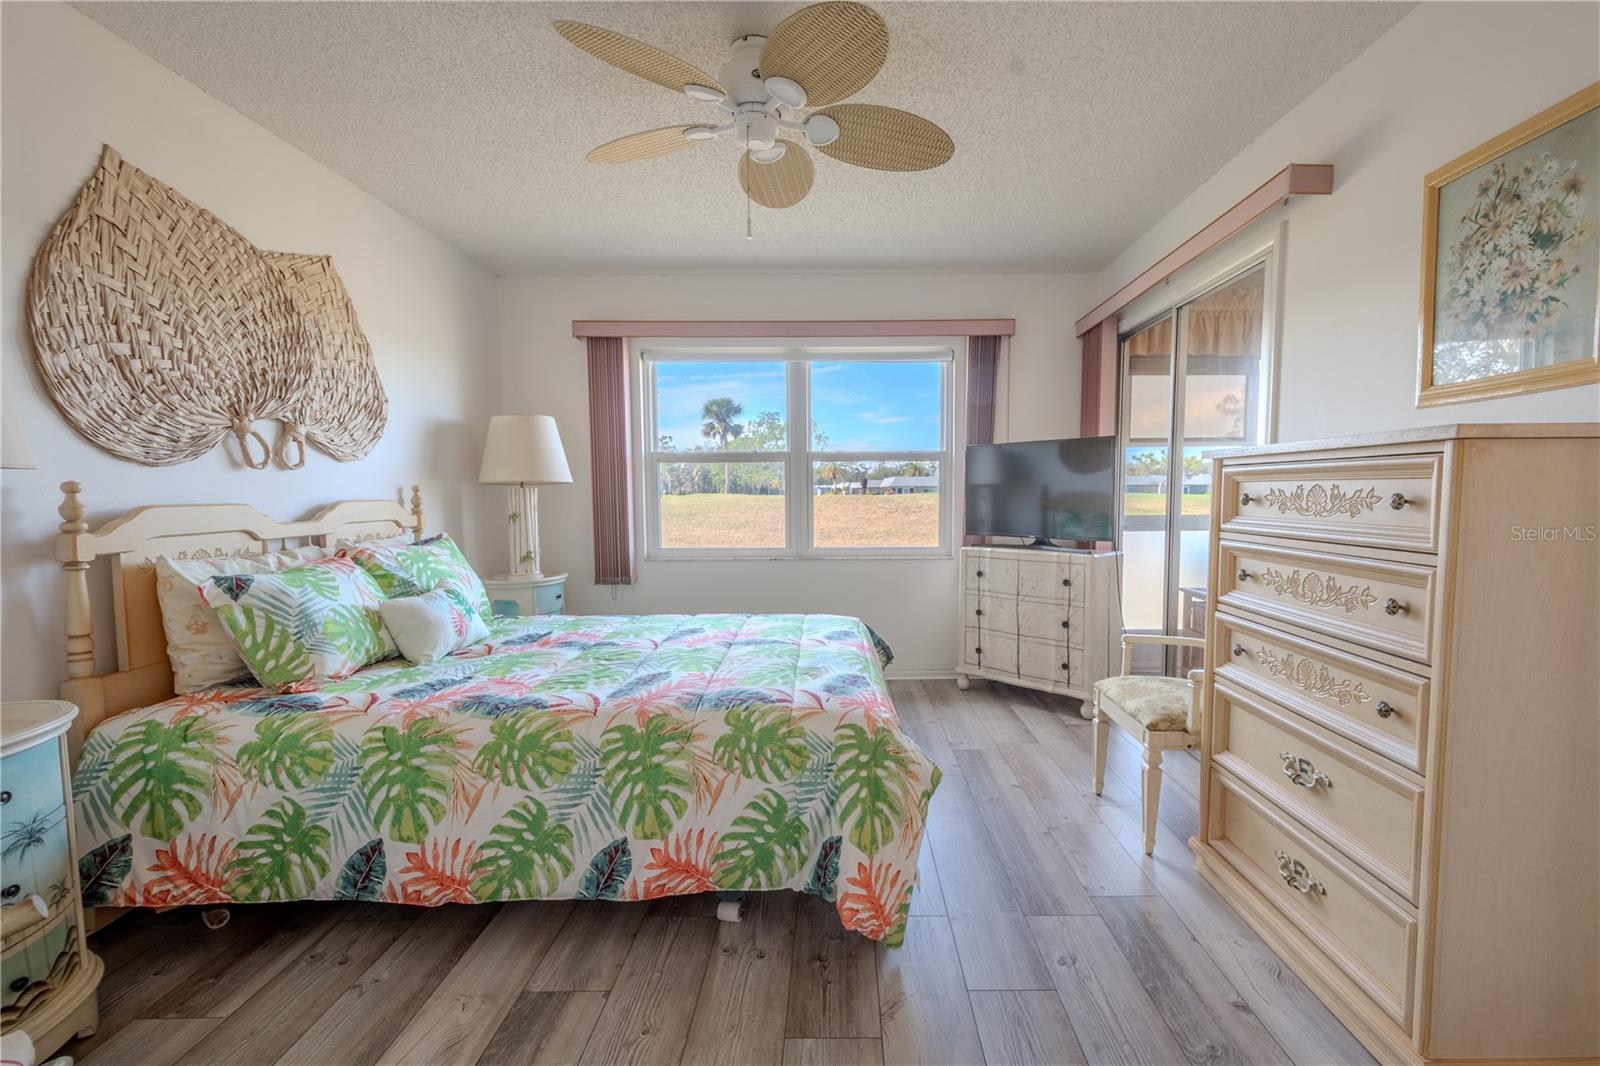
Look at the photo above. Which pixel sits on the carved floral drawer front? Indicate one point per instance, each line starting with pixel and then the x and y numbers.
pixel 1381 709
pixel 1382 605
pixel 1369 810
pixel 1352 921
pixel 1391 501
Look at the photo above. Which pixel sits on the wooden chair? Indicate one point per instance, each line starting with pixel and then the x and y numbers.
pixel 1162 713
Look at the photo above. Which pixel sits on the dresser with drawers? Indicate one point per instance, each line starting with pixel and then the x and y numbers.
pixel 1401 751
pixel 1037 617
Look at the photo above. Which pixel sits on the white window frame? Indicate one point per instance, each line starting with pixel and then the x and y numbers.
pixel 799 459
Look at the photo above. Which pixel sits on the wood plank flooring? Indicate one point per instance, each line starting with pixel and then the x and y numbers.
pixel 1040 934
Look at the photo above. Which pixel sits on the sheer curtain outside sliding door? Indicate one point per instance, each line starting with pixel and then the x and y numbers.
pixel 1193 384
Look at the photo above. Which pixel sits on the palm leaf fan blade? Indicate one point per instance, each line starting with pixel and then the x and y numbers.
pixel 647 144
pixel 886 138
pixel 637 58
pixel 832 49
pixel 781 184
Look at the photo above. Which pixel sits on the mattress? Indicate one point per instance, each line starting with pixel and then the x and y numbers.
pixel 594 757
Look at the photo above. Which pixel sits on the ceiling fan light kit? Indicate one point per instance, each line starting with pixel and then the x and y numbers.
pixel 816 58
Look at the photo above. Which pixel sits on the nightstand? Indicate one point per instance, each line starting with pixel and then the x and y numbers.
pixel 49 979
pixel 524 594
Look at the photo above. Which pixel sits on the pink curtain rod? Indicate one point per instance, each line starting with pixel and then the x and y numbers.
pixel 911 327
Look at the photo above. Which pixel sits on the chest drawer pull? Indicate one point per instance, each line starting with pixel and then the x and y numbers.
pixel 1298 768
pixel 980 573
pixel 1296 876
pixel 1393 606
pixel 1066 625
pixel 1244 499
pixel 1244 575
pixel 1066 582
pixel 1398 500
pixel 1385 708
pixel 1237 649
pixel 979 612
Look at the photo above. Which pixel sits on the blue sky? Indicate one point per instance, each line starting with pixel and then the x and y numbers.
pixel 861 406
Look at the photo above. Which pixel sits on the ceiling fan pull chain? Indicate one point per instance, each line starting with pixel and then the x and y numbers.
pixel 749 235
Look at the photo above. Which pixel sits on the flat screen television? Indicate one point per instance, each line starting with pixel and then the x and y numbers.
pixel 1047 490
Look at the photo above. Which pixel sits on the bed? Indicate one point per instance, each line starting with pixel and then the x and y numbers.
pixel 598 757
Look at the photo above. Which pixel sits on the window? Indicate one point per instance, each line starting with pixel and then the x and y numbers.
pixel 731 472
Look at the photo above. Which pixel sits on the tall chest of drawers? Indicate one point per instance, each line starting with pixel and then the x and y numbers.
pixel 1401 758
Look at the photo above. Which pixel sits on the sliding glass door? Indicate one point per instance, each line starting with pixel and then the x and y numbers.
pixel 1193 384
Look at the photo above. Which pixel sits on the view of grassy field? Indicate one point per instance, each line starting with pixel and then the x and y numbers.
pixel 714 520
pixel 1155 503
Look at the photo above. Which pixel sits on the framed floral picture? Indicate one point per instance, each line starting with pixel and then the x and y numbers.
pixel 1511 261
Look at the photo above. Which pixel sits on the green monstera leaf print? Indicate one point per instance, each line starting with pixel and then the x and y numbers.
pixel 764 742
pixel 872 769
pixel 159 774
pixel 648 773
pixel 283 856
pixel 526 749
pixel 268 645
pixel 525 857
pixel 288 751
pixel 351 632
pixel 766 845
pixel 406 776
pixel 317 580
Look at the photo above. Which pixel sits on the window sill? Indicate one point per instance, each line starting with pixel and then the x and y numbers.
pixel 887 555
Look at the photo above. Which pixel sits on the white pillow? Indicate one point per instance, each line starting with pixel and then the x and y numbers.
pixel 198 647
pixel 428 627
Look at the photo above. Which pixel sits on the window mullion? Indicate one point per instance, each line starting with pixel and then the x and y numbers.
pixel 799 495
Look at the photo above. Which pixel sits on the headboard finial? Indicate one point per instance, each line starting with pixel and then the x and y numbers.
pixel 416 509
pixel 72 510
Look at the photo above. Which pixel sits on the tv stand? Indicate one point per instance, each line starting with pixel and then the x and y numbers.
pixel 1039 619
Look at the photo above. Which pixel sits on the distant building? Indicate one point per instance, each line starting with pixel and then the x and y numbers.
pixel 901 485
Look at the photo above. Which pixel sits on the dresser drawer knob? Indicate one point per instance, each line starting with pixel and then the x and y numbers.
pixel 1296 876
pixel 5 796
pixel 1244 575
pixel 1244 500
pixel 10 891
pixel 1066 582
pixel 979 612
pixel 980 573
pixel 1398 500
pixel 1064 666
pixel 1238 649
pixel 1066 625
pixel 1298 768
pixel 978 650
pixel 1393 606
pixel 1384 709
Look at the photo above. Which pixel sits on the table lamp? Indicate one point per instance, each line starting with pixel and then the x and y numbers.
pixel 524 452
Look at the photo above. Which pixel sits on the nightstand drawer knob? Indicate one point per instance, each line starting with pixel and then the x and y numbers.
pixel 1385 708
pixel 20 984
pixel 1393 606
pixel 5 796
pixel 10 891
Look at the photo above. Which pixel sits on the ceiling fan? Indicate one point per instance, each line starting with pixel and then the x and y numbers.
pixel 816 58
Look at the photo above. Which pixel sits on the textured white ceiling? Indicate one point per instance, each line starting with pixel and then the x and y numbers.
pixel 1077 125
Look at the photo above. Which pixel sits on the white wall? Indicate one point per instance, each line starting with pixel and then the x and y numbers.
pixel 1446 78
pixel 913 603
pixel 69 86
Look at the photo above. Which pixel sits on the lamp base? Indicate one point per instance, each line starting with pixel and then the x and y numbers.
pixel 522 530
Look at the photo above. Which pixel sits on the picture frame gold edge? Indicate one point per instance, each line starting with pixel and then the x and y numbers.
pixel 1429 395
pixel 1540 379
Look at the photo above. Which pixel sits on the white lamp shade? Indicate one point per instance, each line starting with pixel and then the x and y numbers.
pixel 524 450
pixel 14 453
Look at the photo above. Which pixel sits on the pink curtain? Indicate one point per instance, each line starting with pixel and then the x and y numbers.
pixel 983 364
pixel 610 461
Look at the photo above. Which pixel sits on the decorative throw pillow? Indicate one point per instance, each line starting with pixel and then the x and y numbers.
pixel 429 627
pixel 202 656
pixel 412 569
pixel 310 623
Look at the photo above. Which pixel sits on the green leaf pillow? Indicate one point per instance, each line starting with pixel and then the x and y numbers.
pixel 309 623
pixel 413 569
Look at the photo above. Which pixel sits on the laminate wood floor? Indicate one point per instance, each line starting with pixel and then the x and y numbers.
pixel 1040 934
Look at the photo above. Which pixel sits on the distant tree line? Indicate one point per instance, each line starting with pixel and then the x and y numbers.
pixel 722 431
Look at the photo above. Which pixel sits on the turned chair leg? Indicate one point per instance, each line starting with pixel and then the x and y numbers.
pixel 1102 739
pixel 1150 802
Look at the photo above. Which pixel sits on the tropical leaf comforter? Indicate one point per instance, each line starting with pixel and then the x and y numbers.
pixel 599 757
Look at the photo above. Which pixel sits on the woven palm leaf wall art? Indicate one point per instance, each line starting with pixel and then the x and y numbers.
pixel 160 330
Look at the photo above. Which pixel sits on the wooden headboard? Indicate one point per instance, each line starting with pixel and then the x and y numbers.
pixel 181 531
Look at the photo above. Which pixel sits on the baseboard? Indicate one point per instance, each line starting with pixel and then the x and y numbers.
pixel 893 673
